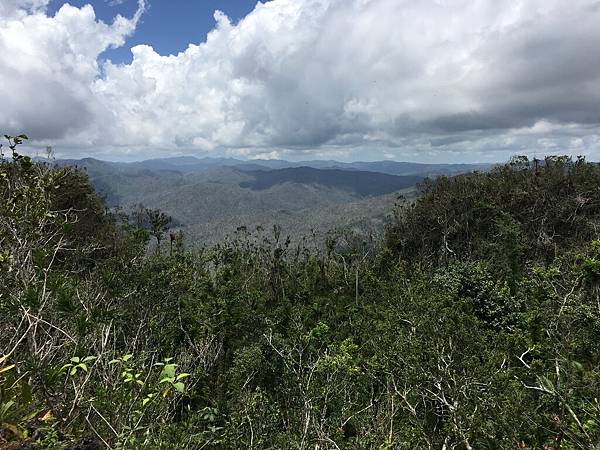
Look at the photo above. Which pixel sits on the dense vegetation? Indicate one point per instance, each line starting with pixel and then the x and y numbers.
pixel 474 324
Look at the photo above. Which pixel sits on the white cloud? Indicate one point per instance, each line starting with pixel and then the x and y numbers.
pixel 49 67
pixel 20 8
pixel 315 77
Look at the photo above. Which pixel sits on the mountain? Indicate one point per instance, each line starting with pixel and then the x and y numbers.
pixel 193 164
pixel 388 167
pixel 209 198
pixel 360 183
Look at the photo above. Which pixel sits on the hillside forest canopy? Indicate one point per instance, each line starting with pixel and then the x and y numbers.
pixel 473 324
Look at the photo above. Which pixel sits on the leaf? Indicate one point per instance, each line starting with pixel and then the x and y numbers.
pixel 547 384
pixel 89 358
pixel 180 387
pixel 73 370
pixel 127 357
pixel 7 368
pixel 14 429
pixel 181 376
pixel 29 416
pixel 83 366
pixel 6 406
pixel 114 361
pixel 47 417
pixel 26 392
pixel 75 359
pixel 168 371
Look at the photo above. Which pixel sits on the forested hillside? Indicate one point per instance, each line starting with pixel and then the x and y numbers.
pixel 208 205
pixel 473 324
pixel 209 198
pixel 191 164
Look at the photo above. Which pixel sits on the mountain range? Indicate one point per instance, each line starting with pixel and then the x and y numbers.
pixel 195 164
pixel 210 198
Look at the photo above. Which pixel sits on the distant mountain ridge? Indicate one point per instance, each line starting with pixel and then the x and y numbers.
pixel 210 197
pixel 195 164
pixel 360 182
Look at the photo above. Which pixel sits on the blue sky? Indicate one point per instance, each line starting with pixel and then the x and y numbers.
pixel 167 25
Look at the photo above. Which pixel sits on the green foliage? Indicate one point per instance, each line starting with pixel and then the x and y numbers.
pixel 513 214
pixel 78 364
pixel 158 223
pixel 210 204
pixel 474 325
pixel 15 400
pixel 170 378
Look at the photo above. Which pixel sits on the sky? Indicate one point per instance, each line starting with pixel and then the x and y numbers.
pixel 427 80
pixel 169 26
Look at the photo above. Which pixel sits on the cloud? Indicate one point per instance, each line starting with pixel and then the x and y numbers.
pixel 20 8
pixel 49 67
pixel 362 78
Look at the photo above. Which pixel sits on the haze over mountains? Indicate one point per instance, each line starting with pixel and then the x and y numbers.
pixel 194 164
pixel 210 198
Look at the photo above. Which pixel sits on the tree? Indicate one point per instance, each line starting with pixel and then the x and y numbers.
pixel 158 223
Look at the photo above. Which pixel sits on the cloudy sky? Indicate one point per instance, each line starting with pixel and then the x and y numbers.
pixel 426 80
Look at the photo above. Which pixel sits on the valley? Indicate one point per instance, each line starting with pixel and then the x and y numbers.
pixel 209 199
